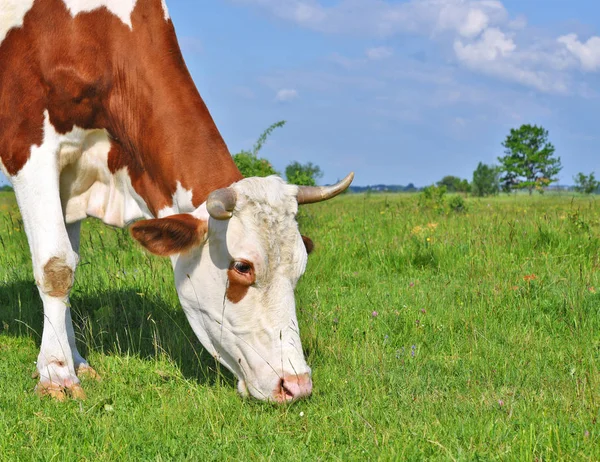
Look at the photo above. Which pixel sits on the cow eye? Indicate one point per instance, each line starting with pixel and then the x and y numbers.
pixel 242 267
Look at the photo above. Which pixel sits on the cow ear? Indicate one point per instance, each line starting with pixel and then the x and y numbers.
pixel 170 235
pixel 309 244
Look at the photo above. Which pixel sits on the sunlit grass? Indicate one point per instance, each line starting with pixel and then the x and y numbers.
pixel 462 336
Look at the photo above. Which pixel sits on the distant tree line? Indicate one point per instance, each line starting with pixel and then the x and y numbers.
pixel 529 163
pixel 384 188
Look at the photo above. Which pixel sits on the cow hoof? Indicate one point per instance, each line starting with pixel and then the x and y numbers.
pixel 58 392
pixel 85 370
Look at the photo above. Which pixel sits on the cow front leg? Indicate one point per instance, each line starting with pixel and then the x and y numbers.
pixel 56 362
pixel 54 261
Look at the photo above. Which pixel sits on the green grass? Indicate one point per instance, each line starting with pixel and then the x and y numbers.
pixel 464 336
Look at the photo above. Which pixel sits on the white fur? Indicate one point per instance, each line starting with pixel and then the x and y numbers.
pixel 12 13
pixel 258 338
pixel 182 202
pixel 166 10
pixel 37 189
pixel 3 168
pixel 88 188
pixel 120 8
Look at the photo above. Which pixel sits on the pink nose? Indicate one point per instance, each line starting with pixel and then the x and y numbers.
pixel 293 387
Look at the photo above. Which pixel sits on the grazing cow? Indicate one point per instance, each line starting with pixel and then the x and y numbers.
pixel 99 117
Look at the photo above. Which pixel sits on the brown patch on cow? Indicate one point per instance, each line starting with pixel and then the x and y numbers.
pixel 58 278
pixel 309 244
pixel 21 99
pixel 239 283
pixel 171 235
pixel 94 72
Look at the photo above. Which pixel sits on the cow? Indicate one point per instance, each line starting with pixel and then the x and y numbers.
pixel 99 117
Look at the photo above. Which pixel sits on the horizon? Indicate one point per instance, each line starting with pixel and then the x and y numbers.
pixel 398 91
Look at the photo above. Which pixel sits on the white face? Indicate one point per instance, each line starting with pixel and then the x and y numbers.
pixel 237 285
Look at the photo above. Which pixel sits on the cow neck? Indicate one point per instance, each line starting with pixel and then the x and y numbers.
pixel 163 132
pixel 174 144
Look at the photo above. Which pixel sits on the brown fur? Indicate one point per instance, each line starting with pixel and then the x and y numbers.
pixel 93 71
pixel 171 235
pixel 58 278
pixel 309 244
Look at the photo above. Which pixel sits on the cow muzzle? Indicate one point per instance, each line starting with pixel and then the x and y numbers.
pixel 289 388
pixel 292 388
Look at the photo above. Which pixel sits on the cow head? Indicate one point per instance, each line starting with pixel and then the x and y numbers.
pixel 237 260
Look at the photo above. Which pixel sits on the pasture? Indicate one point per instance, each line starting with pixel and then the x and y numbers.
pixel 432 336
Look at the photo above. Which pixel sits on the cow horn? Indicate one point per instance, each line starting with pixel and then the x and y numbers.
pixel 310 194
pixel 220 203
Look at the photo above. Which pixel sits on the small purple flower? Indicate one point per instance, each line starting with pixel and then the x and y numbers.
pixel 586 434
pixel 412 284
pixel 336 320
pixel 418 322
pixel 374 314
pixel 500 402
pixel 423 311
pixel 412 350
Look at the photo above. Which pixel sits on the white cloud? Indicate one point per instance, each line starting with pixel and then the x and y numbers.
pixel 518 23
pixel 286 95
pixel 305 13
pixel 475 22
pixel 492 45
pixel 587 53
pixel 378 53
pixel 496 54
pixel 480 34
pixel 381 18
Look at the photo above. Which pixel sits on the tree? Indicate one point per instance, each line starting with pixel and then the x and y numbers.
pixel 528 162
pixel 486 180
pixel 249 163
pixel 454 184
pixel 304 175
pixel 586 184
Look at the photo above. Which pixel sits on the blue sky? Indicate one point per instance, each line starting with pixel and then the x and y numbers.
pixel 398 91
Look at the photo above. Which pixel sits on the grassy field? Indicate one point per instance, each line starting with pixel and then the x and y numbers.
pixel 432 336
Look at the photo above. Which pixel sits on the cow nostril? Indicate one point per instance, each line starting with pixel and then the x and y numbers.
pixel 286 393
pixel 293 387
